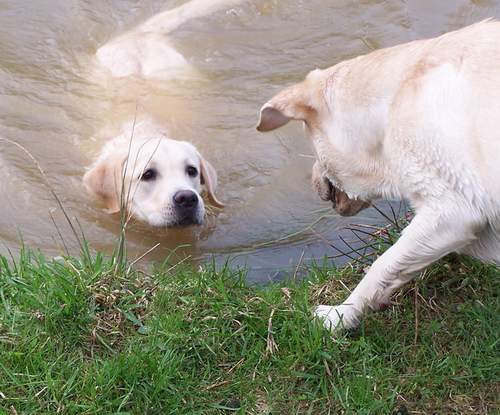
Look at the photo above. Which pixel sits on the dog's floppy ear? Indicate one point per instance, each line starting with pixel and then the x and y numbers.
pixel 208 177
pixel 104 180
pixel 293 103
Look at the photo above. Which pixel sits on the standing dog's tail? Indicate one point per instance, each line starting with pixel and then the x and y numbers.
pixel 170 20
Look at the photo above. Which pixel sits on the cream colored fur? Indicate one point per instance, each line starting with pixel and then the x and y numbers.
pixel 116 177
pixel 418 121
pixel 146 52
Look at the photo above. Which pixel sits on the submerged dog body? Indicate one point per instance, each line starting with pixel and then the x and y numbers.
pixel 145 50
pixel 153 178
pixel 417 121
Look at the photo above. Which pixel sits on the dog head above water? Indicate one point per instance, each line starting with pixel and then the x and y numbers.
pixel 155 179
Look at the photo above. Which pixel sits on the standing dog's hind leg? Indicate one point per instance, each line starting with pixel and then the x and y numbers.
pixel 487 245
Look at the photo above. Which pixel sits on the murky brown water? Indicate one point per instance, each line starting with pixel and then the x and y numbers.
pixel 54 103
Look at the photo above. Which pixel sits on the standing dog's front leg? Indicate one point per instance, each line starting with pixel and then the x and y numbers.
pixel 430 236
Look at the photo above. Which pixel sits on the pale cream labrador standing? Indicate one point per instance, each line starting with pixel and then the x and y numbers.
pixel 418 121
pixel 153 178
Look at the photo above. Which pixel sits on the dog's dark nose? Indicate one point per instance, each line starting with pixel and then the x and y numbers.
pixel 186 199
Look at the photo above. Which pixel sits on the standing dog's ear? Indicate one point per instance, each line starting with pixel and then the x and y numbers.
pixel 104 180
pixel 208 178
pixel 293 103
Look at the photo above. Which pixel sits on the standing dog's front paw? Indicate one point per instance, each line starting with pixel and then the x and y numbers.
pixel 338 317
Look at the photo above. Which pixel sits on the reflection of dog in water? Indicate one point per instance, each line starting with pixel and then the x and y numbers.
pixel 418 121
pixel 145 51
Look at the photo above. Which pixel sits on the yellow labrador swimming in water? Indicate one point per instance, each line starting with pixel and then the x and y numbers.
pixel 418 121
pixel 155 179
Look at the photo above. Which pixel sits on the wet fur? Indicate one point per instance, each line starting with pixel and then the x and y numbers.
pixel 146 52
pixel 115 177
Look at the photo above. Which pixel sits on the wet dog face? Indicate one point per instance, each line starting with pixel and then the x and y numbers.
pixel 155 180
pixel 164 178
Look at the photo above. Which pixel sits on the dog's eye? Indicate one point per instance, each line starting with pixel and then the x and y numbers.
pixel 191 171
pixel 148 175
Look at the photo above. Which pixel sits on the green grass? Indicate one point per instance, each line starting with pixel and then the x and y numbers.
pixel 81 336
